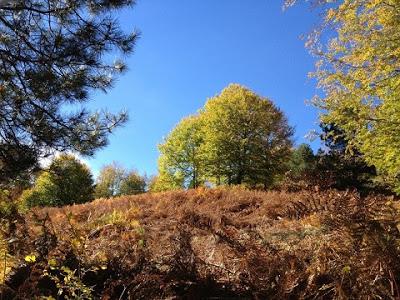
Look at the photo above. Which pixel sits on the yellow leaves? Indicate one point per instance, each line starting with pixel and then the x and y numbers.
pixel 358 73
pixel 30 258
pixel 330 15
pixel 134 223
pixel 76 243
pixel 52 263
pixel 180 155
pixel 346 270
pixel 7 261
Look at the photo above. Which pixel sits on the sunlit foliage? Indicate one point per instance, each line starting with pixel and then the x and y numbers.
pixel 115 180
pixel 359 73
pixel 66 181
pixel 181 154
pixel 238 137
pixel 248 138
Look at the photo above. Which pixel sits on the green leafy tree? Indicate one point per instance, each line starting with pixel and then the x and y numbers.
pixel 247 138
pixel 166 182
pixel 44 192
pixel 152 183
pixel 53 54
pixel 181 161
pixel 334 166
pixel 66 181
pixel 109 181
pixel 133 183
pixel 114 180
pixel 359 73
pixel 237 138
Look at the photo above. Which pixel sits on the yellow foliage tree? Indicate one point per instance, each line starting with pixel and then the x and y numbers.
pixel 359 73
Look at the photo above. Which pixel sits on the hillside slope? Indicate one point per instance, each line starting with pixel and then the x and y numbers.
pixel 228 243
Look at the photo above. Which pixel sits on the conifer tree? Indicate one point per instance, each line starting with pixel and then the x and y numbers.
pixel 52 56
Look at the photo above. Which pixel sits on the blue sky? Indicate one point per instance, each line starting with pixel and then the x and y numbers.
pixel 188 52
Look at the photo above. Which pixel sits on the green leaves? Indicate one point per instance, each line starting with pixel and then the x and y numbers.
pixel 66 181
pixel 247 137
pixel 238 137
pixel 181 160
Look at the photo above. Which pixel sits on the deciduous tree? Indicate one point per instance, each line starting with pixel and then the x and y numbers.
pixel 181 154
pixel 359 73
pixel 66 181
pixel 109 181
pixel 247 138
pixel 133 183
pixel 114 180
pixel 237 138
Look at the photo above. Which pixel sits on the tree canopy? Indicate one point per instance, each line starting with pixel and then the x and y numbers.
pixel 247 137
pixel 133 183
pixel 53 54
pixel 343 168
pixel 66 181
pixel 181 154
pixel 237 138
pixel 114 180
pixel 359 73
pixel 109 181
pixel 302 162
pixel 333 166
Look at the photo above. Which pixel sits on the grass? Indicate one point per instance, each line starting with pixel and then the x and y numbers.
pixel 230 243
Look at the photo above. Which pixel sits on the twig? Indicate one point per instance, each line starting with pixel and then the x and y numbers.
pixel 123 292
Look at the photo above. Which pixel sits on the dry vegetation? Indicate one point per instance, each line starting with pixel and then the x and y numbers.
pixel 229 243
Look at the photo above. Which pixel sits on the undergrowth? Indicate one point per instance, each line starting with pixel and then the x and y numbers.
pixel 228 243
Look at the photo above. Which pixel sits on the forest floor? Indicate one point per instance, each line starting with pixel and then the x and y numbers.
pixel 210 244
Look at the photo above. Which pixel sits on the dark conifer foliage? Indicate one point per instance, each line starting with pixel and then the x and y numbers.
pixel 53 54
pixel 342 170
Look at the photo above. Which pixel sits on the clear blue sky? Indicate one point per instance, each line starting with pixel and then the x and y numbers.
pixel 189 51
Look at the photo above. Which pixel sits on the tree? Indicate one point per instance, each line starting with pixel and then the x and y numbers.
pixel 53 54
pixel 66 181
pixel 333 166
pixel 109 181
pixel 238 137
pixel 133 183
pixel 161 183
pixel 247 138
pixel 359 73
pixel 339 168
pixel 180 155
pixel 165 181
pixel 114 180
pixel 302 163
